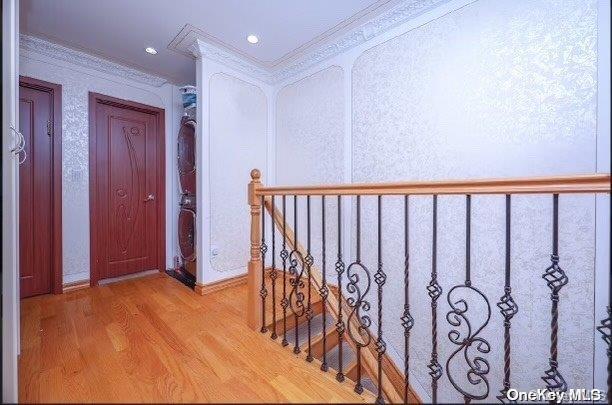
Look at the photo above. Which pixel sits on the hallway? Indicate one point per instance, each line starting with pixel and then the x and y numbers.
pixel 153 340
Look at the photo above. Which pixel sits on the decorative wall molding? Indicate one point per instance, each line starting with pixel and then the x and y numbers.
pixel 402 13
pixel 37 45
pixel 202 49
pixel 190 41
pixel 187 36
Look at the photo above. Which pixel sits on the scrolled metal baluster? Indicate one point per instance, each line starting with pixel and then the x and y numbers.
pixel 296 297
pixel 508 309
pixel 434 290
pixel 284 254
pixel 323 291
pixel 407 319
pixel 555 279
pixel 273 274
pixel 606 334
pixel 380 278
pixel 263 291
pixel 357 289
pixel 309 262
pixel 339 267
pixel 458 296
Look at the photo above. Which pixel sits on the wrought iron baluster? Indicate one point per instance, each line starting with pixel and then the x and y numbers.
pixel 508 308
pixel 339 266
pixel 555 279
pixel 273 273
pixel 284 256
pixel 357 289
pixel 407 319
pixel 459 297
pixel 309 261
pixel 263 292
pixel 434 290
pixel 380 277
pixel 606 333
pixel 323 291
pixel 296 297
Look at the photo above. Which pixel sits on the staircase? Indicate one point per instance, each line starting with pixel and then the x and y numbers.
pixel 318 332
pixel 337 325
pixel 341 353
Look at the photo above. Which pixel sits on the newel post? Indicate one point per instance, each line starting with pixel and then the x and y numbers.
pixel 254 314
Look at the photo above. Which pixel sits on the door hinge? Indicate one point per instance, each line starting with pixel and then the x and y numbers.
pixel 49 128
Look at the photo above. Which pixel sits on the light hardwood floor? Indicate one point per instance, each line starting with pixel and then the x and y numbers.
pixel 153 340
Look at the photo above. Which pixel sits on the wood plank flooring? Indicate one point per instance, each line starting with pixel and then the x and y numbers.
pixel 153 340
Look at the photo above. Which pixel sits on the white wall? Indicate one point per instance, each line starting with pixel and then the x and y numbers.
pixel 238 127
pixel 233 136
pixel 310 128
pixel 474 89
pixel 77 81
pixel 10 212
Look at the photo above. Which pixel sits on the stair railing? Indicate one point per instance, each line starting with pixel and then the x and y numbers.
pixel 347 300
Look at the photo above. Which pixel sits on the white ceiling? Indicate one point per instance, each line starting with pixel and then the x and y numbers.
pixel 120 29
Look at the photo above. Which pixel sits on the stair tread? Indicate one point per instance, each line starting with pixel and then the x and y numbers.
pixel 333 356
pixel 316 328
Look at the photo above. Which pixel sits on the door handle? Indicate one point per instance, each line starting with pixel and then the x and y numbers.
pixel 150 197
pixel 18 149
pixel 20 141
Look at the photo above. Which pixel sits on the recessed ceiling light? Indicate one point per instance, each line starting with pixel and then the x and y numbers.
pixel 151 50
pixel 252 38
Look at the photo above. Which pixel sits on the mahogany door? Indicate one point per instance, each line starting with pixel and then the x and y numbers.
pixel 36 192
pixel 126 146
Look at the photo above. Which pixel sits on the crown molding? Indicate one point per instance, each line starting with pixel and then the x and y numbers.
pixel 38 45
pixel 405 11
pixel 193 42
pixel 184 43
pixel 202 49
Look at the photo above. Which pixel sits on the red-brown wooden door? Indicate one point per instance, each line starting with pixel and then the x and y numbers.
pixel 36 192
pixel 127 188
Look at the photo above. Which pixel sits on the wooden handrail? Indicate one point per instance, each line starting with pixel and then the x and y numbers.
pixel 577 184
pixel 582 183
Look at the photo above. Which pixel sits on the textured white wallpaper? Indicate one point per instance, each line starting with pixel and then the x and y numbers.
pixel 310 128
pixel 309 149
pixel 76 84
pixel 238 124
pixel 494 89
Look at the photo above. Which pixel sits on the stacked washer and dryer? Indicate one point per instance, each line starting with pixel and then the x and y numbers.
pixel 185 269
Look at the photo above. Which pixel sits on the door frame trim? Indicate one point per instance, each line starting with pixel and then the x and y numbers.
pixel 159 113
pixel 55 90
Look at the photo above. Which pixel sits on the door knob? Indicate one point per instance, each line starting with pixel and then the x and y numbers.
pixel 150 197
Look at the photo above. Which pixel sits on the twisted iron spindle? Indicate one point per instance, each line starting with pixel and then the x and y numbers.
pixel 309 261
pixel 273 273
pixel 434 290
pixel 508 309
pixel 323 291
pixel 284 254
pixel 339 266
pixel 555 279
pixel 407 319
pixel 263 292
pixel 380 277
